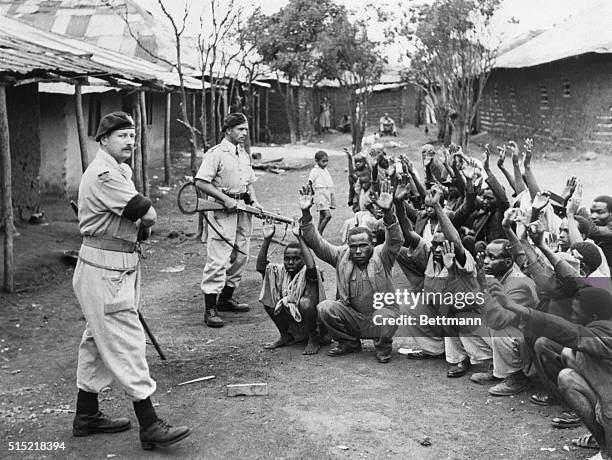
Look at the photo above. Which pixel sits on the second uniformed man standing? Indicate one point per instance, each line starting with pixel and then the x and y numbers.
pixel 227 177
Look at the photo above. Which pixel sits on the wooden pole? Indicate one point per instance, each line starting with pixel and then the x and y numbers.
pixel 167 139
pixel 137 157
pixel 144 143
pixel 7 195
pixel 78 107
pixel 267 124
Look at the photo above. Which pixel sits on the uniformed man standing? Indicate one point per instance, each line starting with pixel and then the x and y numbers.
pixel 107 284
pixel 227 177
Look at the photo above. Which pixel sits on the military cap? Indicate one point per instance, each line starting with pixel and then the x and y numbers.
pixel 113 122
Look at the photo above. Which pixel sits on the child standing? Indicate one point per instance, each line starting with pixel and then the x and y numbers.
pixel 323 185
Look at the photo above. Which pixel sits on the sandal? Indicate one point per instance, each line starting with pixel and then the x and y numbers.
pixel 567 419
pixel 586 441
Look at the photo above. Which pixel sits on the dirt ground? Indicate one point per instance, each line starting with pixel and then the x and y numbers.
pixel 318 407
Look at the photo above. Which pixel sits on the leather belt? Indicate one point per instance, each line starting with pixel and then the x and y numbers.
pixel 109 244
pixel 237 196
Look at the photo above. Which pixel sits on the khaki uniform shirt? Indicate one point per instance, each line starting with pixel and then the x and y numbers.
pixel 105 190
pixel 227 167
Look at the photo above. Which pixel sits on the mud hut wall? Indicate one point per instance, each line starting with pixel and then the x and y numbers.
pixel 23 120
pixel 563 103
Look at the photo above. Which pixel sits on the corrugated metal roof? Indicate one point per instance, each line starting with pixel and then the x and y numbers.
pixel 589 31
pixel 27 51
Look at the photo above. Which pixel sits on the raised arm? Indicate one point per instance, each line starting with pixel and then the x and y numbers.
pixel 408 166
pixel 519 256
pixel 572 207
pixel 324 250
pixel 262 257
pixel 446 163
pixel 449 230
pixel 519 182
pixel 530 179
pixel 393 235
pixel 500 164
pixel 498 191
pixel 306 252
pixel 349 157
pixel 411 238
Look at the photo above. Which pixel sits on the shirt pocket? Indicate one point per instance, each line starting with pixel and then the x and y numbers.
pixel 119 291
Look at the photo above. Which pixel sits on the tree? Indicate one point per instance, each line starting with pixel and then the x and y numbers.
pixel 288 42
pixel 356 62
pixel 215 55
pixel 451 58
pixel 178 29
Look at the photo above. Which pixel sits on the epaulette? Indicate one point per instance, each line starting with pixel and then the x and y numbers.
pixel 104 176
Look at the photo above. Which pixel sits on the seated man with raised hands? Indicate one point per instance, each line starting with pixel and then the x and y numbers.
pixel 576 357
pixel 507 341
pixel 362 272
pixel 291 291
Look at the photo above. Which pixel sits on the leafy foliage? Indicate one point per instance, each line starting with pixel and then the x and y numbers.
pixel 452 56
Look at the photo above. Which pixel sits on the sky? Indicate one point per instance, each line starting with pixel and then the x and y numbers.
pixel 513 19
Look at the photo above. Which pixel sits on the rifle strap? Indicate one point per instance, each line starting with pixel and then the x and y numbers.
pixel 221 236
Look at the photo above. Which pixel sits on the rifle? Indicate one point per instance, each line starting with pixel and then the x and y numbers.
pixel 190 201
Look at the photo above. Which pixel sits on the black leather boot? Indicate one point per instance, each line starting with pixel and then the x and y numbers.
pixel 211 316
pixel 84 424
pixel 226 303
pixel 161 434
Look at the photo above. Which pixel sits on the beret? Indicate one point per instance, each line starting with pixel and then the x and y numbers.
pixel 234 119
pixel 113 122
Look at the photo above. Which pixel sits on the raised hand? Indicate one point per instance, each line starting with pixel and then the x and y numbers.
pixel 402 189
pixel 434 196
pixel 510 215
pixel 468 171
pixel 502 156
pixel 454 149
pixel 448 254
pixel 528 147
pixel 384 199
pixel 481 275
pixel 407 165
pixel 535 231
pixel 540 201
pixel 346 152
pixel 570 185
pixel 306 197
pixel 486 156
pixel 268 230
pixel 573 205
pixel 514 151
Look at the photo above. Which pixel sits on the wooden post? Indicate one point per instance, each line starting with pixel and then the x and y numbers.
pixel 167 139
pixel 137 157
pixel 78 107
pixel 7 195
pixel 258 118
pixel 267 124
pixel 144 143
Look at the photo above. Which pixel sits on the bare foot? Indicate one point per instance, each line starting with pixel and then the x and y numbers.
pixel 282 342
pixel 312 348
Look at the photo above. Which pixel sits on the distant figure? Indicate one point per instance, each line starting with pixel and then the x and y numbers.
pixel 345 124
pixel 325 118
pixel 323 188
pixel 387 125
